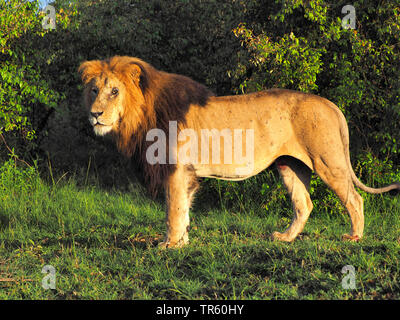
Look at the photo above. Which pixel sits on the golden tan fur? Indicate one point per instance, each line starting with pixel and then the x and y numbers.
pixel 297 131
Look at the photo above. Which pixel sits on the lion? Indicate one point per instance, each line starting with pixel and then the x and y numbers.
pixel 128 99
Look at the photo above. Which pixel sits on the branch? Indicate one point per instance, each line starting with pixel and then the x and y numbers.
pixel 12 152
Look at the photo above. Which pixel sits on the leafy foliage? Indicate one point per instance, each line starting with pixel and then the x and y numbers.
pixel 26 98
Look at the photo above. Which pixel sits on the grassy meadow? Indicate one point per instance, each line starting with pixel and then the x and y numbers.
pixel 102 243
pixel 98 232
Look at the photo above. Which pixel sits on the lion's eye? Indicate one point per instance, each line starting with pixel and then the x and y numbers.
pixel 95 90
pixel 114 91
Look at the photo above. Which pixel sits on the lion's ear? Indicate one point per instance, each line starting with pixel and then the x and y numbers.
pixel 135 73
pixel 89 70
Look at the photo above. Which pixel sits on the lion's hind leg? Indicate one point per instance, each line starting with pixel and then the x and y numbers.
pixel 336 175
pixel 296 178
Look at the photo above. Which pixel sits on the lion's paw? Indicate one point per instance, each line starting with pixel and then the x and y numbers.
pixel 348 237
pixel 280 237
pixel 163 245
pixel 167 244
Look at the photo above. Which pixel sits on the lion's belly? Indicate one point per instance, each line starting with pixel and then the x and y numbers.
pixel 229 172
pixel 245 162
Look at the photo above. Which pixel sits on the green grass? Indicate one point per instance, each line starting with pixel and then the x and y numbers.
pixel 102 244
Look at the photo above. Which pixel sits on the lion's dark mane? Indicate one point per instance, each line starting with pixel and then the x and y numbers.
pixel 168 98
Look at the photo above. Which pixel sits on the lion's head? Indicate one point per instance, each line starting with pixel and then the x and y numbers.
pixel 116 99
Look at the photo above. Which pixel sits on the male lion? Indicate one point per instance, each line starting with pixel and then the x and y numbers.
pixel 128 98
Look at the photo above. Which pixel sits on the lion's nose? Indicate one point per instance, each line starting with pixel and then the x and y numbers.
pixel 96 114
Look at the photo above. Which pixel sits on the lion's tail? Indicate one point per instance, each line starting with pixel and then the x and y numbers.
pixel 394 187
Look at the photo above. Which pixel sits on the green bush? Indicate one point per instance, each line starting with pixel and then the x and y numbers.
pixel 26 97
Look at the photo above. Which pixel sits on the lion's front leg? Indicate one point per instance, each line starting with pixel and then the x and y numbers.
pixel 179 190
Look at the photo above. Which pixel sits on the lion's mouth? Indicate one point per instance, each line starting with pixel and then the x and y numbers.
pixel 102 129
pixel 95 122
